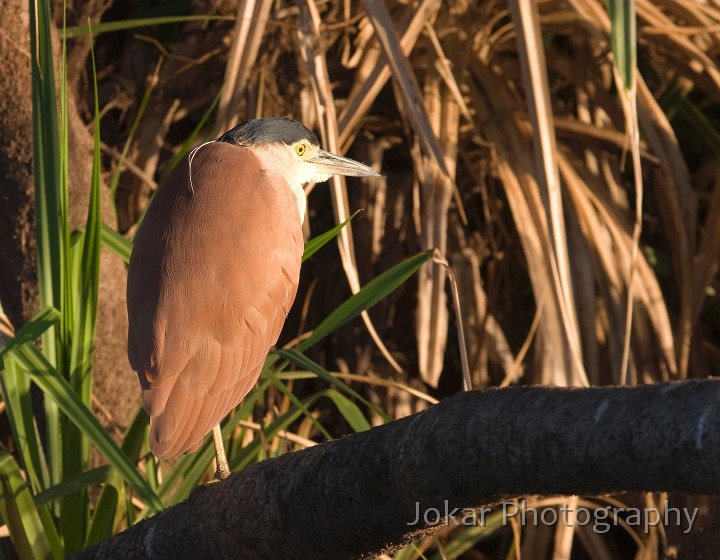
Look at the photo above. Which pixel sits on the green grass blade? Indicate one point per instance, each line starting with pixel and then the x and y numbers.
pixel 623 37
pixel 93 477
pixel 301 360
pixel 111 505
pixel 87 299
pixel 65 280
pixel 18 402
pixel 120 166
pixel 77 239
pixel 624 45
pixel 369 295
pixel 298 403
pixel 316 243
pixel 99 28
pixel 46 163
pixel 349 410
pixel 79 268
pixel 89 272
pixel 116 243
pixel 113 501
pixel 15 388
pixel 106 510
pixel 33 329
pixel 19 512
pixel 283 422
pixel 136 436
pixel 59 390
pixel 50 210
pixel 464 541
pixel 51 533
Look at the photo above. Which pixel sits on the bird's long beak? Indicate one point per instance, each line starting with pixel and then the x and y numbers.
pixel 328 163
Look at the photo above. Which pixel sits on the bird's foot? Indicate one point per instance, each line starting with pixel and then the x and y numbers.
pixel 221 474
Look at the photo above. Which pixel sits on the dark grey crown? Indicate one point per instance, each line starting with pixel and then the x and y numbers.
pixel 270 130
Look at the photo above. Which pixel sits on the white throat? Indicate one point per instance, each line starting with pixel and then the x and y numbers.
pixel 281 160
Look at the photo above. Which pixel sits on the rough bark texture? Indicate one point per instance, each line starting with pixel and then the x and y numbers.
pixel 18 286
pixel 115 384
pixel 355 497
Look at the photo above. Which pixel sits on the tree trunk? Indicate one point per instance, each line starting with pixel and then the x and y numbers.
pixel 360 495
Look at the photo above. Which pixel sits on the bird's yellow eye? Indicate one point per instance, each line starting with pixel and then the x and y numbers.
pixel 300 149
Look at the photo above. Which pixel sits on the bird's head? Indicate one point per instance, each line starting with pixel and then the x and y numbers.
pixel 288 147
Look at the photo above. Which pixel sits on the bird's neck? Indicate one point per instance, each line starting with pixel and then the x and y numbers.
pixel 280 159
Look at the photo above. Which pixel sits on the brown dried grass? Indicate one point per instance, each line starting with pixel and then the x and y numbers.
pixel 503 142
pixel 506 155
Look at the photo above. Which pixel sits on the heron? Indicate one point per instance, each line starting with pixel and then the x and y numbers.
pixel 214 271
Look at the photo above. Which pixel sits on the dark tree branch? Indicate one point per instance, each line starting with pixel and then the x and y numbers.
pixel 354 497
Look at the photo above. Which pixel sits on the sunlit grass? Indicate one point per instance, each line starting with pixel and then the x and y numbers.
pixel 54 511
pixel 529 303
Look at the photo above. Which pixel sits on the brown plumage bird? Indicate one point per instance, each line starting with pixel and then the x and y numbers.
pixel 214 272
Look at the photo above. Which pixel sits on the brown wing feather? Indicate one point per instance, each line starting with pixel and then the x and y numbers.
pixel 213 273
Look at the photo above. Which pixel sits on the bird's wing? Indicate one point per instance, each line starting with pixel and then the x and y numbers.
pixel 212 277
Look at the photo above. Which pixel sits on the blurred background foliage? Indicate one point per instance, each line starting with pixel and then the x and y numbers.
pixel 507 134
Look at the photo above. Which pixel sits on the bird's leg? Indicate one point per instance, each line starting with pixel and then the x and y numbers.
pixel 223 470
